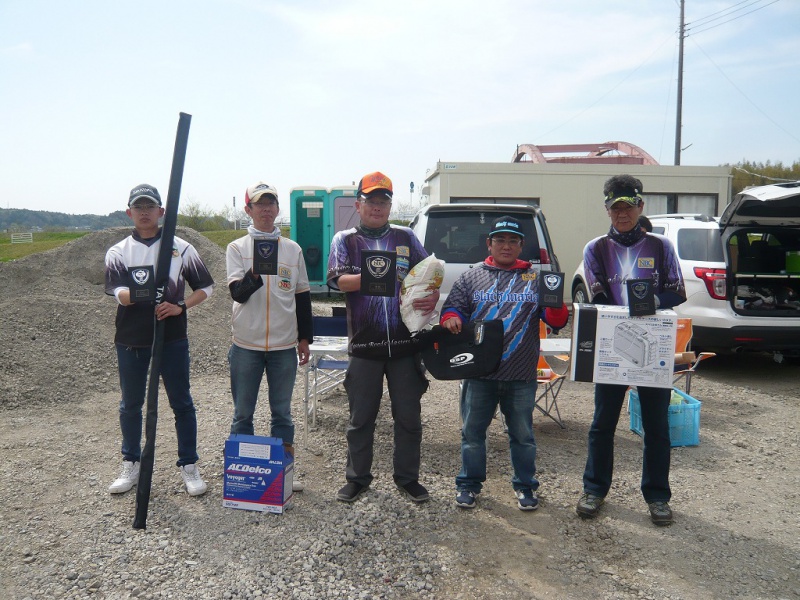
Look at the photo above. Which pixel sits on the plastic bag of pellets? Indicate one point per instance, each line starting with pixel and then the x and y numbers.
pixel 422 279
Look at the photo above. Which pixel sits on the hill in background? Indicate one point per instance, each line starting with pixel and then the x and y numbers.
pixel 23 219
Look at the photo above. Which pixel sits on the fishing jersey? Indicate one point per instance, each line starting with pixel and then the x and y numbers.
pixel 268 319
pixel 374 326
pixel 488 292
pixel 609 265
pixel 134 323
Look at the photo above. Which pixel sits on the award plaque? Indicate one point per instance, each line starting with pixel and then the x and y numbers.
pixel 378 273
pixel 142 284
pixel 551 289
pixel 265 257
pixel 641 297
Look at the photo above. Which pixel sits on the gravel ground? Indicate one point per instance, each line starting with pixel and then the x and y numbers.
pixel 64 536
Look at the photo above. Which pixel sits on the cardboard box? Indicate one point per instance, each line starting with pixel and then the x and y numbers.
pixel 610 346
pixel 258 474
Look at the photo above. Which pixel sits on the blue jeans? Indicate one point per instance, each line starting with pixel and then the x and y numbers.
pixel 133 366
pixel 247 370
pixel 479 400
pixel 608 401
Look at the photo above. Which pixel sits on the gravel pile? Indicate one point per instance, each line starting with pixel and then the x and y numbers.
pixel 64 536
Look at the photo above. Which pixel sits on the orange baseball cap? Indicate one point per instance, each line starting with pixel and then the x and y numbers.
pixel 374 182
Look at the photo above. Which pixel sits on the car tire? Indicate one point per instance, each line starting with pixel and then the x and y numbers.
pixel 580 295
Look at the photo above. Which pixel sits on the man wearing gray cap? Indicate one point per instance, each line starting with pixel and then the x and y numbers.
pixel 129 267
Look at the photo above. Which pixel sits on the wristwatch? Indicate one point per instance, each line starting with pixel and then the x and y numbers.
pixel 183 307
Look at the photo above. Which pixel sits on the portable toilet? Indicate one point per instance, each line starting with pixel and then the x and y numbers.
pixel 342 202
pixel 309 229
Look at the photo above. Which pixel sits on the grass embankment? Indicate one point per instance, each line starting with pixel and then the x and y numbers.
pixel 41 242
pixel 47 240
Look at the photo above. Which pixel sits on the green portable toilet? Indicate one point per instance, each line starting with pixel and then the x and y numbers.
pixel 309 229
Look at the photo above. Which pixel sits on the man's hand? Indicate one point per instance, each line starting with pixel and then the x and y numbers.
pixel 166 309
pixel 303 353
pixel 453 325
pixel 428 303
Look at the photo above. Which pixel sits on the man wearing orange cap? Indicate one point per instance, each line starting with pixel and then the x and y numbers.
pixel 379 343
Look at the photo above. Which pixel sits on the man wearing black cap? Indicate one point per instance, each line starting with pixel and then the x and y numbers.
pixel 130 262
pixel 628 252
pixel 502 287
pixel 379 343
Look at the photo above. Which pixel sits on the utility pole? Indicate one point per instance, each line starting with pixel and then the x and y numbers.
pixel 679 111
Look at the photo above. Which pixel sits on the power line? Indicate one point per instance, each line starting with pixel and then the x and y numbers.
pixel 745 96
pixel 704 29
pixel 713 16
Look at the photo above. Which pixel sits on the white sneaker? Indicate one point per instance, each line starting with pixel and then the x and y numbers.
pixel 194 483
pixel 128 478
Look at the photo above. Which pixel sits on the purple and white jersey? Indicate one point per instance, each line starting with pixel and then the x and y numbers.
pixel 374 325
pixel 609 265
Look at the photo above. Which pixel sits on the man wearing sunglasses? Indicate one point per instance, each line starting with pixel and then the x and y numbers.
pixel 502 287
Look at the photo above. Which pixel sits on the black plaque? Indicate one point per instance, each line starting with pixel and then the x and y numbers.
pixel 265 257
pixel 378 273
pixel 641 297
pixel 142 284
pixel 551 289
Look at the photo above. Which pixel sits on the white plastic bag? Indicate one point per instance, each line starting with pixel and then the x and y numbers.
pixel 422 279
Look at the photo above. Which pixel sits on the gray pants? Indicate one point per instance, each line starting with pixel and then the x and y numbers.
pixel 364 385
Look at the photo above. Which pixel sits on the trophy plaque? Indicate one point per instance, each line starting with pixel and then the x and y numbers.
pixel 265 257
pixel 378 273
pixel 142 284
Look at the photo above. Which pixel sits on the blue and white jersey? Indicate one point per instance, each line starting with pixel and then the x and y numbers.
pixel 488 292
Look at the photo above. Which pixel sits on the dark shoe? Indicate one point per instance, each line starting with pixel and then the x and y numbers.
pixel 527 499
pixel 589 505
pixel 465 499
pixel 660 513
pixel 415 491
pixel 351 492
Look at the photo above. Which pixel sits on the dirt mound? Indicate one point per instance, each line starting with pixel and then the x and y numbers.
pixel 58 323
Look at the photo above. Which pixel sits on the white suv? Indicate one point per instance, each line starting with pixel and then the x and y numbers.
pixel 742 271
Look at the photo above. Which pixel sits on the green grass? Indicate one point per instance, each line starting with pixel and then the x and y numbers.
pixel 47 240
pixel 41 242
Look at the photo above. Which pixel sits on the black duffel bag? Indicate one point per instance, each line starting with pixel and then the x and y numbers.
pixel 474 352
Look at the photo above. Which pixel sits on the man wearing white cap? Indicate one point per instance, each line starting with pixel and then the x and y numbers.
pixel 271 322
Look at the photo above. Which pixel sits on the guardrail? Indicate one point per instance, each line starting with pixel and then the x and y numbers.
pixel 21 238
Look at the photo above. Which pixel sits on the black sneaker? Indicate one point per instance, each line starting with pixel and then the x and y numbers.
pixel 465 499
pixel 589 505
pixel 416 491
pixel 527 499
pixel 660 513
pixel 351 492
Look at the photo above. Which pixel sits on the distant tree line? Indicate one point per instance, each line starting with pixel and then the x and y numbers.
pixel 14 220
pixel 746 174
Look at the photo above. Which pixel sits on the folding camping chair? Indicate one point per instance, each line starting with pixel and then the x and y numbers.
pixel 328 363
pixel 550 384
pixel 686 361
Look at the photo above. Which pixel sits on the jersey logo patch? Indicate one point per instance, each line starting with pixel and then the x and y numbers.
pixel 284 272
pixel 529 277
pixel 646 263
pixel 285 284
pixel 403 251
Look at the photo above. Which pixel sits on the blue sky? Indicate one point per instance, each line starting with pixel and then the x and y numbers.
pixel 301 93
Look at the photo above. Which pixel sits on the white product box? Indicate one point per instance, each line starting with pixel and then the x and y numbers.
pixel 610 346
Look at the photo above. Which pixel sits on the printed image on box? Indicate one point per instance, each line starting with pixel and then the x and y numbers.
pixel 258 474
pixel 610 346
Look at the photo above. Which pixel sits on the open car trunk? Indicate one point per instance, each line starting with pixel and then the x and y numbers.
pixel 761 231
